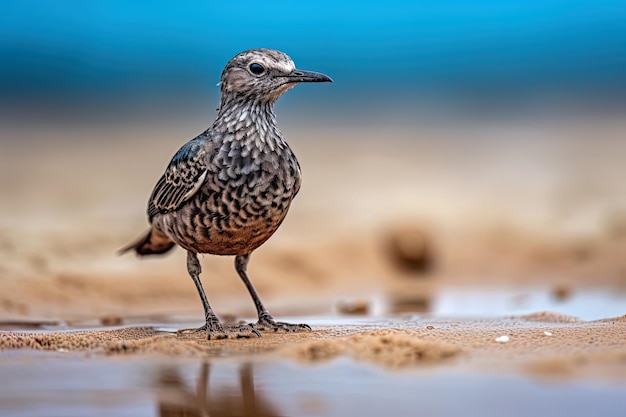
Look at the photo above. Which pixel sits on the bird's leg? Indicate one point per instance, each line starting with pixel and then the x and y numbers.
pixel 266 321
pixel 213 327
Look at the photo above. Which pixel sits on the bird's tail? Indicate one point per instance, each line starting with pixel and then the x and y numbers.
pixel 152 243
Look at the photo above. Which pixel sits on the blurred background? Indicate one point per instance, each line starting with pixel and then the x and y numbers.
pixel 112 60
pixel 463 145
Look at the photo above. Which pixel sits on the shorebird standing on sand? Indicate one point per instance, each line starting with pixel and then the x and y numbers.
pixel 228 190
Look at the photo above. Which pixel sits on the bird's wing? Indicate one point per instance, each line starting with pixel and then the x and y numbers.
pixel 182 179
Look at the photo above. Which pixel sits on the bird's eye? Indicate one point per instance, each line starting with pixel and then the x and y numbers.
pixel 256 69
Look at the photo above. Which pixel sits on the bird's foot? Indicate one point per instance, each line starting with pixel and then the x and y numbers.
pixel 267 324
pixel 216 331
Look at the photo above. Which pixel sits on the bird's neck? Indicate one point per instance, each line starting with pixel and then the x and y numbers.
pixel 247 118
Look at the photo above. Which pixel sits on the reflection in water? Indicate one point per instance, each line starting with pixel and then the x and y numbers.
pixel 411 296
pixel 417 303
pixel 176 399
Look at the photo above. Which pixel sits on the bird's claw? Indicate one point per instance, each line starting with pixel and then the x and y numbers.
pixel 217 331
pixel 268 324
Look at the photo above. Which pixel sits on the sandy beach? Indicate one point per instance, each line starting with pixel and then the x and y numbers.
pixel 385 268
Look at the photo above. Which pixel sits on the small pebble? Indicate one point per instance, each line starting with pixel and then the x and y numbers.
pixel 354 307
pixel 548 333
pixel 502 339
pixel 430 327
pixel 411 249
pixel 111 320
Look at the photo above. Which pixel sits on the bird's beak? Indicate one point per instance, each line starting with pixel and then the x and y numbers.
pixel 301 76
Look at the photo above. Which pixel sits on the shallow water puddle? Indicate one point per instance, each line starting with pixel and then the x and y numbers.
pixel 75 383
pixel 143 386
pixel 586 305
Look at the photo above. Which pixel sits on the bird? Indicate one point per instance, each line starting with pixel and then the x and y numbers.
pixel 228 190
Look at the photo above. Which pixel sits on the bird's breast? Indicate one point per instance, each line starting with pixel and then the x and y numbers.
pixel 249 188
pixel 242 202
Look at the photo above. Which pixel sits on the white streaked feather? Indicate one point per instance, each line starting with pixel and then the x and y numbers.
pixel 196 186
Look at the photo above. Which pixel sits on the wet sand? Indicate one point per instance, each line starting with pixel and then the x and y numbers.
pixel 486 366
pixel 543 343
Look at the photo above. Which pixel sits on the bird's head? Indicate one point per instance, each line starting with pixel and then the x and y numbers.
pixel 263 75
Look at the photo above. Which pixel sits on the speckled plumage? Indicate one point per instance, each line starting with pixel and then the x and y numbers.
pixel 248 176
pixel 229 189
